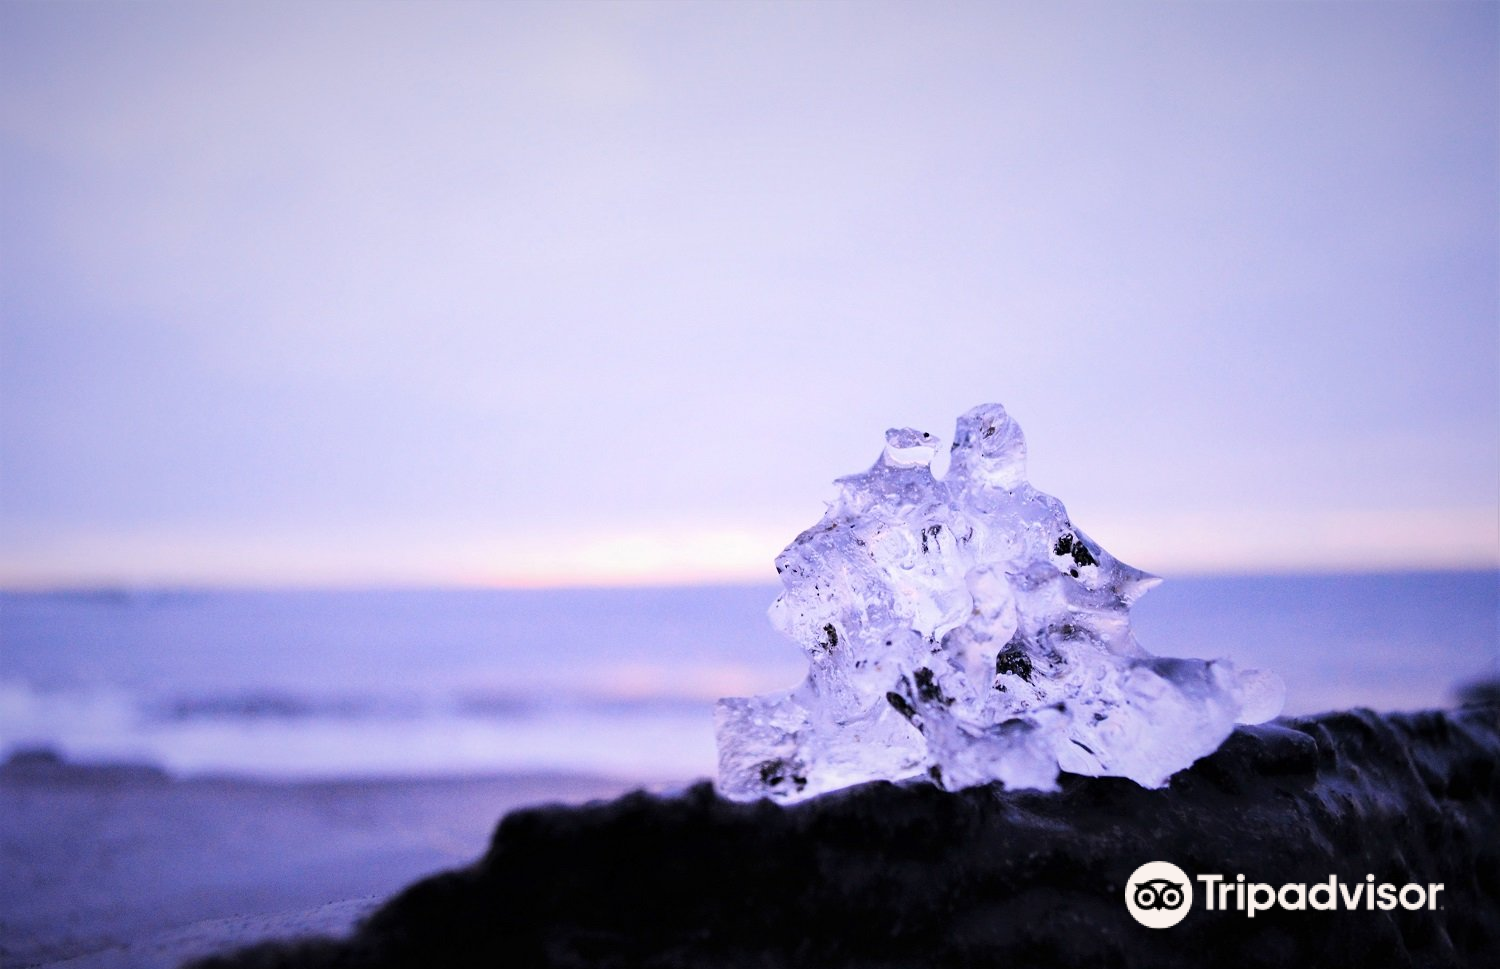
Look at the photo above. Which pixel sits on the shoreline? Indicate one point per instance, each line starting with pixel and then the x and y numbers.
pixel 125 865
pixel 905 874
pixel 116 865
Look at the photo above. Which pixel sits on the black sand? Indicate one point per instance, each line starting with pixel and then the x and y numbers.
pixel 906 875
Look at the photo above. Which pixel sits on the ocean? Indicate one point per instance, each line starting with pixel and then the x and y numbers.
pixel 620 682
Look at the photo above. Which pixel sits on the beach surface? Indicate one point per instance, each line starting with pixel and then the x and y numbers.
pixel 111 866
pixel 899 875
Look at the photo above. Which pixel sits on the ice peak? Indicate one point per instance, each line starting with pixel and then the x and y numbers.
pixel 965 629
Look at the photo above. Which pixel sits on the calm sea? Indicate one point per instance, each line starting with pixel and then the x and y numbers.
pixel 352 683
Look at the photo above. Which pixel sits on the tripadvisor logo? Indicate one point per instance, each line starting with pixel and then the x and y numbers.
pixel 1159 895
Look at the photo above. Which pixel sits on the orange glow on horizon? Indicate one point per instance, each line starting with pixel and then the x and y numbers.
pixel 1167 545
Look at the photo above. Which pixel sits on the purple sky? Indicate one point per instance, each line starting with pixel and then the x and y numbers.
pixel 595 293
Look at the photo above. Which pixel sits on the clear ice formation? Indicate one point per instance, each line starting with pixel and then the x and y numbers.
pixel 962 627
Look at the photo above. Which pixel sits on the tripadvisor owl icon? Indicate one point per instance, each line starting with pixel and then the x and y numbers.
pixel 1159 894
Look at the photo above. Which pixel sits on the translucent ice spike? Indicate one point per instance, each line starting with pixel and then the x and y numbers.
pixel 965 629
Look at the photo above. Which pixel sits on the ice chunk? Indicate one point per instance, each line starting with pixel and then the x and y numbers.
pixel 966 629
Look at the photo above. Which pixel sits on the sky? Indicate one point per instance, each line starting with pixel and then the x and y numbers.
pixel 555 294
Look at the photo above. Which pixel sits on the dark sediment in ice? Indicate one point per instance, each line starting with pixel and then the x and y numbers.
pixel 905 875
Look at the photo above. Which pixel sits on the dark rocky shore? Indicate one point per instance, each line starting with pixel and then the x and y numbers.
pixel 907 875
